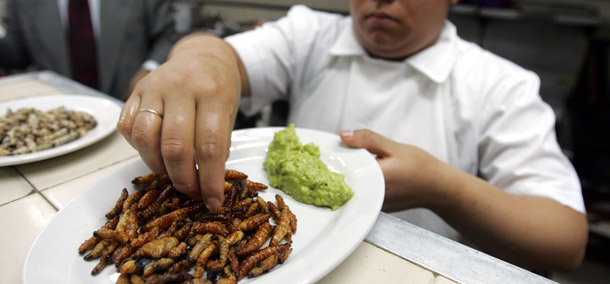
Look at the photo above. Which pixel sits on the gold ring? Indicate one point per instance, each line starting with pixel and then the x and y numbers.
pixel 151 111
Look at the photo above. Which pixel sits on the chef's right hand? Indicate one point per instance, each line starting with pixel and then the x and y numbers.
pixel 195 95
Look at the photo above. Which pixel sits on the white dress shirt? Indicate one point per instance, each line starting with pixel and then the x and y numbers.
pixel 495 124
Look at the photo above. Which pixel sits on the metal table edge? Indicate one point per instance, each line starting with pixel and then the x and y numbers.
pixel 443 256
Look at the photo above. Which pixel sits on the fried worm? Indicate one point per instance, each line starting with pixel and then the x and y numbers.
pixel 158 235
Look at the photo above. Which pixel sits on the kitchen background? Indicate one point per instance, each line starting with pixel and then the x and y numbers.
pixel 566 42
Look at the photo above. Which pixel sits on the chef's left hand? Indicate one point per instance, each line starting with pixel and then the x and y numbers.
pixel 410 173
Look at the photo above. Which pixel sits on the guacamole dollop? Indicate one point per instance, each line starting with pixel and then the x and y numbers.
pixel 297 170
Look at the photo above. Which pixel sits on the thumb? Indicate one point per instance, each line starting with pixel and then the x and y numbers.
pixel 369 140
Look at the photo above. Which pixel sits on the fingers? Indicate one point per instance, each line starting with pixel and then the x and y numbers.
pixel 168 144
pixel 369 140
pixel 212 142
pixel 128 114
pixel 177 142
pixel 200 95
pixel 144 131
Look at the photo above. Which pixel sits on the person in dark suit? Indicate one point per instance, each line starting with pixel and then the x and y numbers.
pixel 130 38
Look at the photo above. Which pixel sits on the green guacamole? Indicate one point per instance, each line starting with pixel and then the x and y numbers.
pixel 297 170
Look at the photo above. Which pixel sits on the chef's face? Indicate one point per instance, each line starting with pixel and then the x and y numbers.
pixel 396 29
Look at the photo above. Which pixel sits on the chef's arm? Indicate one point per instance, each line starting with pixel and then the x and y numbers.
pixel 532 232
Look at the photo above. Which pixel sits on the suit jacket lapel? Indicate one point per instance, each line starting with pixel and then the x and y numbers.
pixel 114 15
pixel 47 23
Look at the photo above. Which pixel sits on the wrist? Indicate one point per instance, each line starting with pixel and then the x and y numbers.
pixel 445 188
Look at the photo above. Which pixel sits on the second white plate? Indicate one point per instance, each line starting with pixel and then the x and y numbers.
pixel 105 111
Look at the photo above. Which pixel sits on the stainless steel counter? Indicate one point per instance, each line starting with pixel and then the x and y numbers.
pixel 451 259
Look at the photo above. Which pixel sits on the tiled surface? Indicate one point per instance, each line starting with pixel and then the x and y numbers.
pixel 21 221
pixel 26 88
pixel 369 264
pixel 110 150
pixel 12 185
pixel 61 194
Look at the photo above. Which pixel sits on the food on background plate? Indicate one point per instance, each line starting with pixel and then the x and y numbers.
pixel 159 235
pixel 29 130
pixel 297 170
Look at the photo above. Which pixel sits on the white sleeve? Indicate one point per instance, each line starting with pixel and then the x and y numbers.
pixel 518 149
pixel 274 54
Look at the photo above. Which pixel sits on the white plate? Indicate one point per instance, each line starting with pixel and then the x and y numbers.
pixel 323 240
pixel 105 111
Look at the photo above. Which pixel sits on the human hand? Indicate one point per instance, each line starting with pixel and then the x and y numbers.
pixel 196 96
pixel 483 213
pixel 411 174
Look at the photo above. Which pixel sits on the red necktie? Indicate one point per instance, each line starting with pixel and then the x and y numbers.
pixel 83 55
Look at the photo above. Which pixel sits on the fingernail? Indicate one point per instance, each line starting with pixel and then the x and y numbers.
pixel 213 202
pixel 347 133
pixel 121 117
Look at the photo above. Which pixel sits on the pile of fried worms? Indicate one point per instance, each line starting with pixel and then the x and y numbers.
pixel 159 235
pixel 29 130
